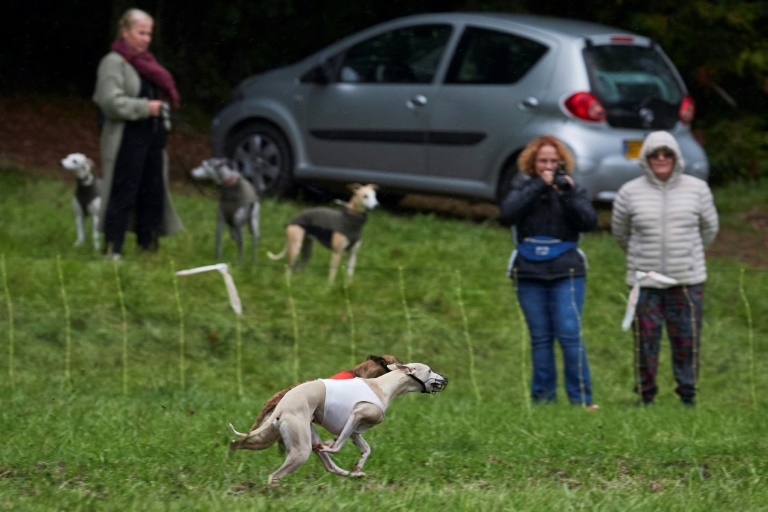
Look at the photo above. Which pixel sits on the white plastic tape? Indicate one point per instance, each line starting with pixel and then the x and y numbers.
pixel 234 298
pixel 634 293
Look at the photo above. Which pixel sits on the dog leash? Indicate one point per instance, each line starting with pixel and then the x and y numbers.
pixel 634 294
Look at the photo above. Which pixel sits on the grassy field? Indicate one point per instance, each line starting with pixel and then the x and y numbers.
pixel 119 380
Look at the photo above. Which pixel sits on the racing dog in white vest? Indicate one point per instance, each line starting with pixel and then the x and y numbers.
pixel 346 408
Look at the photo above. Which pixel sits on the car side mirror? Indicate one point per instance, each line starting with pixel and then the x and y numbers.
pixel 321 74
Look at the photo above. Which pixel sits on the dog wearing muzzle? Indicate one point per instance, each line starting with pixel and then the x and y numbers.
pixel 345 408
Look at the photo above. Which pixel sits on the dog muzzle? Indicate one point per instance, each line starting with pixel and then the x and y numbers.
pixel 432 385
pixel 437 384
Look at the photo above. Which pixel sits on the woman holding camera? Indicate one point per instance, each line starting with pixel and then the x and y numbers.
pixel 549 211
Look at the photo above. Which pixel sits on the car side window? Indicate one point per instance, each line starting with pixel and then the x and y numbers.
pixel 406 55
pixel 490 57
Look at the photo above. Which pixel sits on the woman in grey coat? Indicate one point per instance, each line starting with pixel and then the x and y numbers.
pixel 132 91
pixel 665 220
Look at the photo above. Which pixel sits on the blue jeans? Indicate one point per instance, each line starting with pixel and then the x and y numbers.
pixel 552 310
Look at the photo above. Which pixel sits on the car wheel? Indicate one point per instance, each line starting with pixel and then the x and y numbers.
pixel 510 177
pixel 262 155
pixel 389 199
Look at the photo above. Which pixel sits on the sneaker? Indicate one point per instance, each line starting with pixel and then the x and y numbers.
pixel 688 402
pixel 593 407
pixel 114 256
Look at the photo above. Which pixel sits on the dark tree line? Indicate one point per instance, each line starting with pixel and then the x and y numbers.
pixel 719 46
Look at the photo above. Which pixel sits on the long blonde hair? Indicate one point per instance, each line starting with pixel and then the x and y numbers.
pixel 526 162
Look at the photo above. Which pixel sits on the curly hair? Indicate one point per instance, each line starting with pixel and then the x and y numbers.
pixel 526 162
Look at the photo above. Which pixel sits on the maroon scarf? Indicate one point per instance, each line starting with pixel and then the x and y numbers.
pixel 148 67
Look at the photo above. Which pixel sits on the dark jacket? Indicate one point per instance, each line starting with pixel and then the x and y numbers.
pixel 536 209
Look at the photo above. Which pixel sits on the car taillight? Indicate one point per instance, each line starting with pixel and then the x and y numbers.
pixel 687 110
pixel 585 106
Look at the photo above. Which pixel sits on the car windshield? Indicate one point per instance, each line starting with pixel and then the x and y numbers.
pixel 627 79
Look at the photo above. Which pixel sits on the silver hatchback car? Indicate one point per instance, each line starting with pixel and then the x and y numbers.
pixel 443 104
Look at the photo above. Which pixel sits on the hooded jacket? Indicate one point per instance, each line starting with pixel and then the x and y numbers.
pixel 665 226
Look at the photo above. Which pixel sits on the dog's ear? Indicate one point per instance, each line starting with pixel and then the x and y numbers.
pixel 407 369
pixel 385 359
pixel 89 163
pixel 373 186
pixel 354 187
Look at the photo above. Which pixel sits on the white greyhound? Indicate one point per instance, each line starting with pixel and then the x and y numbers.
pixel 345 408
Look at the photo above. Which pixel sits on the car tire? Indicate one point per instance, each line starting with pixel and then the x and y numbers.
pixel 262 154
pixel 389 199
pixel 510 176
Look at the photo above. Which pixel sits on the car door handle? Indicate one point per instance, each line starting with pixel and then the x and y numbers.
pixel 417 101
pixel 528 103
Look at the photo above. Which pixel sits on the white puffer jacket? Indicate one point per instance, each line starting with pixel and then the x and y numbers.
pixel 665 226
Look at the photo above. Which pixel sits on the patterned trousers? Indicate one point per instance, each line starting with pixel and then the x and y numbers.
pixel 679 309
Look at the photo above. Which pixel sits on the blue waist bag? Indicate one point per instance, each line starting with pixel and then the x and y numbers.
pixel 543 248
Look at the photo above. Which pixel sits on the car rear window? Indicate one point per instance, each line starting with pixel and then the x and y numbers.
pixel 491 57
pixel 627 79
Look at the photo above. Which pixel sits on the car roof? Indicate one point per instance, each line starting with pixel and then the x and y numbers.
pixel 564 27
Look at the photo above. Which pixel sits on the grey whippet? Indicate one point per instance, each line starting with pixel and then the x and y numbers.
pixel 238 203
pixel 338 230
pixel 346 408
pixel 87 199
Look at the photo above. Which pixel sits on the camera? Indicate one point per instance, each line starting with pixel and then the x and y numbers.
pixel 165 115
pixel 559 180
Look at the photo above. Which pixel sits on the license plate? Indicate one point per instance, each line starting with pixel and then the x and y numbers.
pixel 632 148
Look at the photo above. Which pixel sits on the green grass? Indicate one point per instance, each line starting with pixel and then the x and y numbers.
pixel 98 414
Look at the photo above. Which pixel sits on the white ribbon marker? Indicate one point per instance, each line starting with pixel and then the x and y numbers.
pixel 234 299
pixel 634 293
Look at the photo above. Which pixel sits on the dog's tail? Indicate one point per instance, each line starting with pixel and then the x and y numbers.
pixel 238 434
pixel 279 255
pixel 260 439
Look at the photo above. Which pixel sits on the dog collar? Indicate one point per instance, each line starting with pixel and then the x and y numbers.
pixel 423 386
